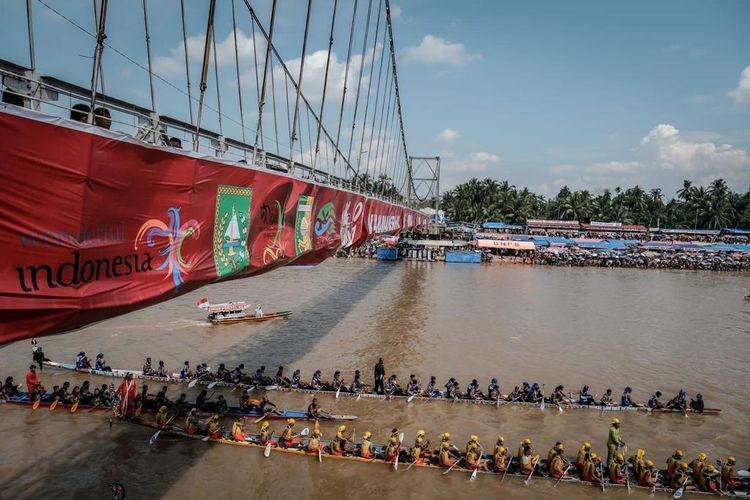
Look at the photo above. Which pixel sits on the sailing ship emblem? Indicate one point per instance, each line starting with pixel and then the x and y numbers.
pixel 231 228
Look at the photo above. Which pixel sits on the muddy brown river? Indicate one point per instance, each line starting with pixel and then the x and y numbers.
pixel 603 327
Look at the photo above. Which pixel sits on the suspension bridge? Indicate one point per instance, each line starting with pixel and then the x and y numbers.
pixel 126 206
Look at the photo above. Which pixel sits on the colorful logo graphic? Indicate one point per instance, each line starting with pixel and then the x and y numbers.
pixel 274 250
pixel 325 221
pixel 231 227
pixel 302 241
pixel 175 234
pixel 349 223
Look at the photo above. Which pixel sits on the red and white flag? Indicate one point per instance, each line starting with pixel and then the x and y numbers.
pixel 203 303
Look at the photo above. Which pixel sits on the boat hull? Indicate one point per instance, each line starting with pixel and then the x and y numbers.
pixel 251 319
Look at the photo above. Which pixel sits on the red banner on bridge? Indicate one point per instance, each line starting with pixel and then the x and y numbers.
pixel 95 224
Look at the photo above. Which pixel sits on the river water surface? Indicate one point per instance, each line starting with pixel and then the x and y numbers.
pixel 604 327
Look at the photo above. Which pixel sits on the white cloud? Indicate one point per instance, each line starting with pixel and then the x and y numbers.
pixel 448 135
pixel 673 152
pixel 741 94
pixel 436 50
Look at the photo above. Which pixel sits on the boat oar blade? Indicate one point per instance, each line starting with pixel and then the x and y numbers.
pixel 559 408
pixel 401 437
pixel 139 410
pixel 213 384
pixel 267 451
pixel 473 476
pixel 338 391
pixel 193 382
pixel 259 419
pixel 678 493
pixel 54 404
pixel 411 398
pixel 320 455
pixel 74 408
pixel 37 403
pixel 305 431
pixel 154 437
pixel 743 473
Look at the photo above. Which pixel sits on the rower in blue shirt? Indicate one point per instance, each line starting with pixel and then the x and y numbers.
pixel 101 365
pixel 296 379
pixel 625 400
pixel 186 372
pixel 80 361
pixel 584 398
pixel 493 390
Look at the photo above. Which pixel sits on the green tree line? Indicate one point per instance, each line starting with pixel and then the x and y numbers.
pixel 697 207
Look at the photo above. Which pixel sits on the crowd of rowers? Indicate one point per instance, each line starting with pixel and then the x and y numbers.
pixel 527 392
pixel 587 465
pixel 83 394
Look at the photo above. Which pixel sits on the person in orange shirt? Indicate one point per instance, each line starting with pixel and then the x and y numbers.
pixel 36 389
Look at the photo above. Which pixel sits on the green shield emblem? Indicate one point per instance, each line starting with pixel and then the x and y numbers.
pixel 302 226
pixel 231 226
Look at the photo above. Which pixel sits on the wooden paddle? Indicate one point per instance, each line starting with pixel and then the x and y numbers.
pixel 267 451
pixel 213 384
pixel 54 404
pixel 153 438
pixel 563 475
pixel 338 391
pixel 528 479
pixel 139 410
pixel 507 466
pixel 257 420
pixel 320 454
pixel 601 473
pixel 451 467
pixel 74 408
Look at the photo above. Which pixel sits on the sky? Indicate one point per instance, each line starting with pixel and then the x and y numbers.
pixel 587 94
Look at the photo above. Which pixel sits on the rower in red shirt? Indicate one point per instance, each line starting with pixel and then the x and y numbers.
pixel 126 391
pixel 34 385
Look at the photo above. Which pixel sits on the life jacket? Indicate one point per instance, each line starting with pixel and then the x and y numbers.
pixel 697 467
pixel 364 449
pixel 472 460
pixel 313 444
pixel 672 465
pixel 580 459
pixel 708 482
pixel 265 436
pixel 190 425
pixel 645 478
pixel 391 452
pixel 501 461
pixel 336 447
pixel 286 436
pixel 445 459
pixel 587 471
pixel 727 473
pixel 556 467
pixel 527 463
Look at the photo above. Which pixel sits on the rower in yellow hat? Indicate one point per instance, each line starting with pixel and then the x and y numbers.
pixel 554 451
pixel 392 449
pixel 558 464
pixel 473 439
pixel 697 465
pixel 581 457
pixel 637 462
pixel 338 445
pixel 613 441
pixel 474 459
pixel 728 479
pixel 421 448
pixel 313 445
pixel 500 457
pixel 673 461
pixel 618 472
pixel 365 449
pixel 648 477
pixel 288 438
pixel 526 456
pixel 446 458
pixel 681 477
pixel 161 417
pixel 709 479
pixel 238 431
pixel 265 432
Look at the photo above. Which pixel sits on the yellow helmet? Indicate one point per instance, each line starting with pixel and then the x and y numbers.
pixel 473 437
pixel 446 435
pixel 290 421
pixel 615 421
pixel 420 433
pixel 445 445
pixel 560 447
pixel 368 435
pixel 265 425
pixel 702 456
pixel 679 453
pixel 649 463
pixel 594 456
pixel 640 454
pixel 682 466
pixel 317 433
pixel 473 446
pixel 393 440
pixel 586 445
pixel 526 441
pixel 731 460
pixel 619 457
pixel 500 440
pixel 710 468
pixel 342 428
pixel 501 450
pixel 163 409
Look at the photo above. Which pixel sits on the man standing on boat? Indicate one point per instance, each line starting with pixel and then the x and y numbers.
pixel 614 441
pixel 126 391
pixel 33 384
pixel 258 312
pixel 379 377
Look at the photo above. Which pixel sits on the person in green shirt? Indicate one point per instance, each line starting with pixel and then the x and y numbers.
pixel 614 441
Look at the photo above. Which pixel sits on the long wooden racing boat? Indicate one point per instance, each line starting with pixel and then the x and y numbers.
pixel 233 411
pixel 223 319
pixel 253 441
pixel 175 378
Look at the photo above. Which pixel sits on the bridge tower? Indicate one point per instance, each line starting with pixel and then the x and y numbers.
pixel 423 186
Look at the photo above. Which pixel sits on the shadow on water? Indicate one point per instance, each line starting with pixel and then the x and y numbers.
pixel 81 464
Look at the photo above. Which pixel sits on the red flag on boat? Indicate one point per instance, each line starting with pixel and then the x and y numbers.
pixel 203 303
